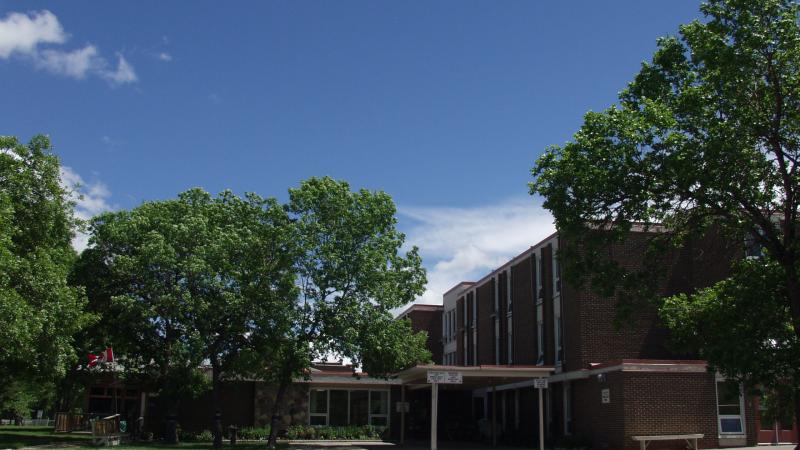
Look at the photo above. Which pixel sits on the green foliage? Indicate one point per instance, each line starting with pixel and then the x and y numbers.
pixel 188 280
pixel 41 312
pixel 254 433
pixel 352 275
pixel 352 432
pixel 705 141
pixel 742 325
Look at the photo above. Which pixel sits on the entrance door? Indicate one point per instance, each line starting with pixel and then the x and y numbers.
pixel 770 432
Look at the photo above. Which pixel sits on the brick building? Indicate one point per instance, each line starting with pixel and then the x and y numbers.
pixel 609 382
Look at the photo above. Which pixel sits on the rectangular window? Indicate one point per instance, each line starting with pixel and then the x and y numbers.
pixel 540 281
pixel 557 275
pixel 559 338
pixel 729 407
pixel 359 407
pixel 510 341
pixel 540 334
pixel 338 408
pixel 342 407
pixel 509 303
pixel 318 407
pixel 752 248
pixel 379 408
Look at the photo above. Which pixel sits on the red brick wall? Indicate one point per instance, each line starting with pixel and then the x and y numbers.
pixel 431 322
pixel 603 423
pixel 669 403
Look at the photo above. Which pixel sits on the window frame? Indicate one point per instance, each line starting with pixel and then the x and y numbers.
pixel 370 415
pixel 720 417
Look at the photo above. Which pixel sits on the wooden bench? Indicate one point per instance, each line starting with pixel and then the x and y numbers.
pixel 105 431
pixel 691 439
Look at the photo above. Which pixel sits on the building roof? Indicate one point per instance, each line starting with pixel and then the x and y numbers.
pixel 420 307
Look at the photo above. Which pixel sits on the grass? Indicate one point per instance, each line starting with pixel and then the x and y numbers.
pixel 18 437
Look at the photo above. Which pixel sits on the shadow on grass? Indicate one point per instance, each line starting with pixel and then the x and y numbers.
pixel 18 437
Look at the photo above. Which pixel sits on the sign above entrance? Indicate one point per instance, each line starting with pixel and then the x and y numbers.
pixel 444 377
pixel 540 383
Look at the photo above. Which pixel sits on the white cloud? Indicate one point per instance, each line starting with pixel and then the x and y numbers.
pixel 123 74
pixel 75 64
pixel 23 34
pixel 90 200
pixel 464 244
pixel 164 56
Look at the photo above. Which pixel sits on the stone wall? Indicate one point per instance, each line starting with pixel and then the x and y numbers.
pixel 294 409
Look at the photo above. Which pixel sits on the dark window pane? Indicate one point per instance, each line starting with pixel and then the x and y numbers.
pixel 379 402
pixel 731 425
pixel 379 421
pixel 319 401
pixel 338 408
pixel 728 393
pixel 729 410
pixel 317 420
pixel 358 407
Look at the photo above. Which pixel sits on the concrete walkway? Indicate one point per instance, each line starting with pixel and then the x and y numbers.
pixel 361 445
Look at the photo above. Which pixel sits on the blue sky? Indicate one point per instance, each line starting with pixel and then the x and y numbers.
pixel 443 104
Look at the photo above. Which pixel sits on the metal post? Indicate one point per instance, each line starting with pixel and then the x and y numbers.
pixel 403 415
pixel 494 416
pixel 434 412
pixel 541 419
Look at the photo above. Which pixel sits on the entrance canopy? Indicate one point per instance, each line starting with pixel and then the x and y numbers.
pixel 476 377
pixel 471 377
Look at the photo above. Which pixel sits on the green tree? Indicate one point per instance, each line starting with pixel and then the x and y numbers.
pixel 350 274
pixel 743 325
pixel 41 312
pixel 188 282
pixel 706 135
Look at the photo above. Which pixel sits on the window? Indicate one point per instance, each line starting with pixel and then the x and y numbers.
pixel 318 407
pixel 729 407
pixel 341 407
pixel 752 248
pixel 379 408
pixel 559 340
pixel 540 337
pixel 557 275
pixel 510 341
pixel 540 280
pixel 509 303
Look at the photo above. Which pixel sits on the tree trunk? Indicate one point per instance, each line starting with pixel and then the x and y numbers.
pixel 216 424
pixel 796 417
pixel 276 418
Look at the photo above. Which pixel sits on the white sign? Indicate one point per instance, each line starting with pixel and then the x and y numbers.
pixel 540 383
pixel 605 395
pixel 442 377
pixel 403 407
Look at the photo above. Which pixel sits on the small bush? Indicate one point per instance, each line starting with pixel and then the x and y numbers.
pixel 254 433
pixel 353 432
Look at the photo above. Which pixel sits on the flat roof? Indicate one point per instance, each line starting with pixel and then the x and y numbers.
pixel 475 377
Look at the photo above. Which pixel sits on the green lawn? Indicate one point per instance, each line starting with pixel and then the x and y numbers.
pixel 18 437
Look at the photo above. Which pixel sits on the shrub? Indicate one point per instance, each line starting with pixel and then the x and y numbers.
pixel 351 432
pixel 254 433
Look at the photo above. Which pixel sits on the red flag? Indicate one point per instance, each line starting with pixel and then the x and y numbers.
pixel 106 356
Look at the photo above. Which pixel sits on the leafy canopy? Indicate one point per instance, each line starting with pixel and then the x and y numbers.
pixel 704 142
pixel 41 312
pixel 188 281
